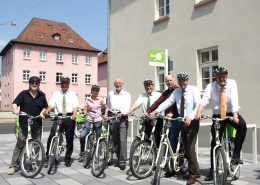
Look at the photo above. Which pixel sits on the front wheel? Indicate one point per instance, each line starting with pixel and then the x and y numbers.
pixel 100 158
pixel 52 154
pixel 89 151
pixel 134 142
pixel 156 178
pixel 78 129
pixel 32 160
pixel 220 176
pixel 142 159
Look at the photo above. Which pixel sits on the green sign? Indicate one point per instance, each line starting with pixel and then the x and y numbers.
pixel 157 57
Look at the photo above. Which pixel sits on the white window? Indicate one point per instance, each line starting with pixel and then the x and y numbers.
pixel 163 7
pixel 59 57
pixel 58 77
pixel 208 59
pixel 87 95
pixel 88 59
pixel 42 55
pixel 160 72
pixel 26 75
pixel 87 79
pixel 74 58
pixel 74 78
pixel 42 75
pixel 26 53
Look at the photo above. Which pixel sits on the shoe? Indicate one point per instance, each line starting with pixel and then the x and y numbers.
pixel 121 166
pixel 169 174
pixel 67 163
pixel 81 153
pixel 191 180
pixel 236 161
pixel 11 170
pixel 210 176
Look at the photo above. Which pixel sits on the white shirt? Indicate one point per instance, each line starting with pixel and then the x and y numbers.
pixel 192 100
pixel 120 101
pixel 71 101
pixel 212 93
pixel 143 98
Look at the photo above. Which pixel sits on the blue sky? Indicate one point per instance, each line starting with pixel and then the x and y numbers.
pixel 87 17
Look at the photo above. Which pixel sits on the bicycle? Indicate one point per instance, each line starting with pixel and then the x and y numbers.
pixel 56 146
pixel 104 150
pixel 222 155
pixel 166 159
pixel 143 155
pixel 33 155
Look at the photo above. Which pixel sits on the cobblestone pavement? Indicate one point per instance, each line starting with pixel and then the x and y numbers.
pixel 76 174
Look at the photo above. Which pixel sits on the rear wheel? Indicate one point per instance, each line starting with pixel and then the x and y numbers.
pixel 52 155
pixel 221 167
pixel 89 151
pixel 156 178
pixel 32 160
pixel 142 159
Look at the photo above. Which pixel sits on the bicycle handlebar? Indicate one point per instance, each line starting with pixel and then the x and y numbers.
pixel 53 115
pixel 218 119
pixel 28 115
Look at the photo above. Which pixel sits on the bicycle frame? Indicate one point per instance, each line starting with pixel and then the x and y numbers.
pixel 59 121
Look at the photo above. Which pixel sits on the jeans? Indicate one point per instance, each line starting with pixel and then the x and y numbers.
pixel 174 134
pixel 86 128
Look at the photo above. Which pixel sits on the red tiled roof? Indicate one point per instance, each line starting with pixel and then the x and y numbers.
pixel 43 32
pixel 102 58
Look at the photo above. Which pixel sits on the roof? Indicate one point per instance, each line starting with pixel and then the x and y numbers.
pixel 102 58
pixel 52 34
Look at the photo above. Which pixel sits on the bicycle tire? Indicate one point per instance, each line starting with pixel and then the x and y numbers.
pixel 111 150
pixel 89 151
pixel 52 155
pixel 139 157
pixel 78 129
pixel 157 173
pixel 221 167
pixel 32 166
pixel 99 161
pixel 134 142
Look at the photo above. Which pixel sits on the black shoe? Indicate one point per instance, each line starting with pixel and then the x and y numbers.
pixel 67 163
pixel 116 165
pixel 210 176
pixel 236 161
pixel 121 166
pixel 170 174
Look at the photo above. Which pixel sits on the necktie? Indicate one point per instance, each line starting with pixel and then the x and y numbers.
pixel 148 101
pixel 64 105
pixel 182 103
pixel 222 103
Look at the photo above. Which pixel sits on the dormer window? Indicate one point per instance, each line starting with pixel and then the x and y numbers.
pixel 56 36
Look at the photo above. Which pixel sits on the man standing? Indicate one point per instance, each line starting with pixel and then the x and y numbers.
pixel 224 100
pixel 33 102
pixel 145 100
pixel 65 103
pixel 187 99
pixel 121 100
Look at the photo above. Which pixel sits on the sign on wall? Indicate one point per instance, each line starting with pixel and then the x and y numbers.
pixel 158 57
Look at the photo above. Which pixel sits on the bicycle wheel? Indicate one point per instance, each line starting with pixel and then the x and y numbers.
pixel 99 159
pixel 237 174
pixel 221 167
pixel 134 142
pixel 78 129
pixel 52 155
pixel 156 178
pixel 32 160
pixel 142 159
pixel 89 151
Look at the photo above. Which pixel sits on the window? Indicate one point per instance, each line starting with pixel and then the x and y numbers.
pixel 87 79
pixel 88 59
pixel 163 7
pixel 74 58
pixel 160 72
pixel 26 75
pixel 87 95
pixel 42 76
pixel 42 55
pixel 59 57
pixel 26 53
pixel 74 78
pixel 58 77
pixel 208 59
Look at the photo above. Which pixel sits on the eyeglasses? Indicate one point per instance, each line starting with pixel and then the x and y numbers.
pixel 34 83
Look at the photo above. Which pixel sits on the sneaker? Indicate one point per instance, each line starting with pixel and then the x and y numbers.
pixel 81 153
pixel 236 161
pixel 11 170
pixel 209 176
pixel 121 166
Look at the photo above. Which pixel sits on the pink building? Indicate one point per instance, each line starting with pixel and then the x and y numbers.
pixel 47 49
pixel 102 72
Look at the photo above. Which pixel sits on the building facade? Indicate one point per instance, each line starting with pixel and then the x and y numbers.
pixel 47 49
pixel 199 36
pixel 102 73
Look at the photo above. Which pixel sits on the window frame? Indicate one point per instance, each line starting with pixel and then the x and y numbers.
pixel 87 79
pixel 58 77
pixel 88 59
pixel 74 78
pixel 74 58
pixel 26 75
pixel 26 54
pixel 42 76
pixel 59 57
pixel 42 55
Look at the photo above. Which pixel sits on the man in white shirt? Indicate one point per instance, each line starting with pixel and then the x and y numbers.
pixel 187 99
pixel 121 100
pixel 65 103
pixel 145 100
pixel 212 94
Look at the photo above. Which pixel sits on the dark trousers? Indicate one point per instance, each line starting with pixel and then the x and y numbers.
pixel 174 134
pixel 68 125
pixel 157 132
pixel 239 139
pixel 119 137
pixel 189 136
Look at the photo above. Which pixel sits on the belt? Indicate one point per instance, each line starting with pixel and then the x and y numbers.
pixel 67 114
pixel 218 115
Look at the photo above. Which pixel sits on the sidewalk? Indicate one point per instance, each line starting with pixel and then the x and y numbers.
pixel 76 174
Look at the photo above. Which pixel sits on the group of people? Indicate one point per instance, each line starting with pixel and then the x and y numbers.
pixel 182 100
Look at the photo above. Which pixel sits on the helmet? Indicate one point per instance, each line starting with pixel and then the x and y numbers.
pixel 34 79
pixel 182 76
pixel 95 88
pixel 148 82
pixel 64 80
pixel 220 70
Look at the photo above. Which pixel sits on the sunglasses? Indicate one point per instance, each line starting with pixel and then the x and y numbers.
pixel 34 83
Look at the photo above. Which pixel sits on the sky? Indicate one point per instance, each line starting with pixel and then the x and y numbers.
pixel 87 17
